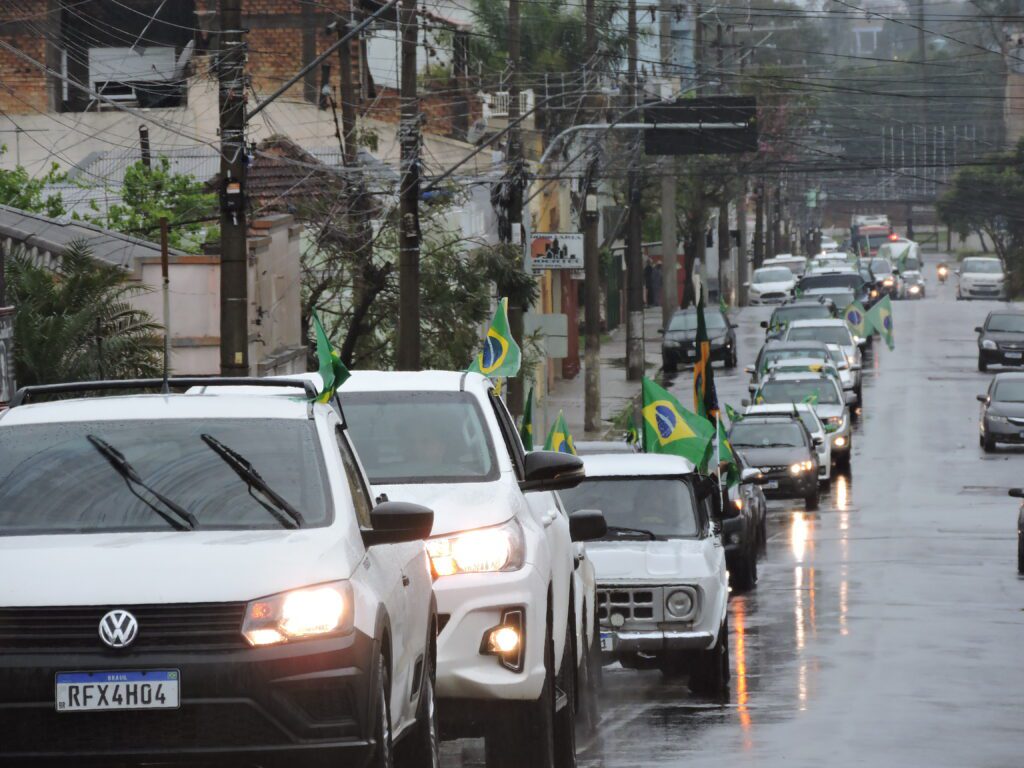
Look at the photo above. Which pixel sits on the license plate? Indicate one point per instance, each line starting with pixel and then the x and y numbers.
pixel 772 485
pixel 125 689
pixel 1013 355
pixel 606 641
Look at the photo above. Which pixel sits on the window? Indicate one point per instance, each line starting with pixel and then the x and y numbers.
pixel 815 391
pixel 829 334
pixel 772 434
pixel 663 506
pixel 361 498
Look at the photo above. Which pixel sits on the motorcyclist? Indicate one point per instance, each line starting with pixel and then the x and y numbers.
pixel 943 271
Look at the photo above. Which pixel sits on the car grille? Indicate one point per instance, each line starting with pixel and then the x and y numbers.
pixel 1012 347
pixel 633 604
pixel 774 470
pixel 773 296
pixel 203 626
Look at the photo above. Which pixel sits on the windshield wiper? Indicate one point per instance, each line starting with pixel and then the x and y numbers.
pixel 182 519
pixel 291 517
pixel 620 529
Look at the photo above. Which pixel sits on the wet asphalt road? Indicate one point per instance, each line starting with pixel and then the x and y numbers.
pixel 887 627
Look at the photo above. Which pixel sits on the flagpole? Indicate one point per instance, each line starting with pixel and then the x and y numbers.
pixel 718 448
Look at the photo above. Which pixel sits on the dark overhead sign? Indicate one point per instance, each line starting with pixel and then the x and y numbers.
pixel 716 125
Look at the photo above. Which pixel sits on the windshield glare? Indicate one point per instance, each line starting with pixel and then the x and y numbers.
pixel 84 494
pixel 663 506
pixel 420 437
pixel 814 391
pixel 1006 323
pixel 841 280
pixel 829 334
pixel 772 275
pixel 687 321
pixel 772 434
pixel 984 266
pixel 880 267
pixel 1009 391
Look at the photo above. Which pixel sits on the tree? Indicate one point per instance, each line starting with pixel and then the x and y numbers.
pixel 76 322
pixel 21 191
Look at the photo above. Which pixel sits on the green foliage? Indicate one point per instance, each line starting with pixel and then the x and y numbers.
pixel 77 323
pixel 19 190
pixel 149 194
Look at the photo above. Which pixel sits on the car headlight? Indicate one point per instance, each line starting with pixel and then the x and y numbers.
pixel 680 603
pixel 798 468
pixel 839 441
pixel 888 282
pixel 738 504
pixel 998 419
pixel 326 609
pixel 874 293
pixel 988 344
pixel 499 548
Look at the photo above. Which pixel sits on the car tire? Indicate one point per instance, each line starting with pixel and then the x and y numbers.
pixel 988 444
pixel 982 365
pixel 763 534
pixel 812 499
pixel 588 714
pixel 1020 554
pixel 711 675
pixel 744 577
pixel 422 747
pixel 383 753
pixel 732 360
pixel 526 735
pixel 565 718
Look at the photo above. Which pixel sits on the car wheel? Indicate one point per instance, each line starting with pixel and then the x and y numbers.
pixel 383 754
pixel 668 366
pixel 421 748
pixel 711 675
pixel 763 534
pixel 565 718
pixel 982 365
pixel 811 500
pixel 588 715
pixel 988 444
pixel 1020 553
pixel 526 736
pixel 731 361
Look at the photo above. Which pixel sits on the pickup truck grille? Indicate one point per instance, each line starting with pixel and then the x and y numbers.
pixel 633 604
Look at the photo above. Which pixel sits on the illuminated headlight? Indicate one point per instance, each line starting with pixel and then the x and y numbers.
pixel 915 289
pixel 300 614
pixel 738 504
pixel 680 603
pixel 874 293
pixel 988 344
pixel 839 441
pixel 501 548
pixel 888 282
pixel 800 467
pixel 998 419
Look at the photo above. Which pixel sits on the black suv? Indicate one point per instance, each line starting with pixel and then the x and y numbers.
pixel 679 347
pixel 780 446
pixel 1001 339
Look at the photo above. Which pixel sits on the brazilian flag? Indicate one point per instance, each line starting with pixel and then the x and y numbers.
pixel 726 456
pixel 501 355
pixel 332 370
pixel 670 428
pixel 733 414
pixel 526 427
pixel 856 318
pixel 705 400
pixel 559 438
pixel 880 316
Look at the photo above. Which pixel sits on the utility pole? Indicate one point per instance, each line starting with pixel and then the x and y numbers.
pixel 515 166
pixel 724 244
pixel 144 146
pixel 234 299
pixel 635 357
pixel 698 50
pixel 591 261
pixel 759 226
pixel 408 349
pixel 669 235
pixel 348 98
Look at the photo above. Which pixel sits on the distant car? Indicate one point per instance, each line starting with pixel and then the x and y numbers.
pixel 981 277
pixel 797 309
pixel 845 277
pixel 770 285
pixel 826 262
pixel 1018 493
pixel 679 347
pixel 774 352
pixel 841 298
pixel 1001 340
pixel 905 255
pixel 782 449
pixel 828 244
pixel 661 574
pixel 1002 412
pixel 795 264
pixel 833 332
pixel 887 278
pixel 588 447
pixel 815 427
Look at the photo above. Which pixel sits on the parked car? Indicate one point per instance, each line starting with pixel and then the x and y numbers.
pixel 780 446
pixel 1018 493
pixel 514 628
pixel 1001 340
pixel 225 572
pixel 815 428
pixel 1002 411
pixel 981 277
pixel 661 572
pixel 770 285
pixel 679 340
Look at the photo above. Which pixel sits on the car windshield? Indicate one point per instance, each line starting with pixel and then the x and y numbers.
pixel 1009 391
pixel 773 356
pixel 813 391
pixel 420 437
pixel 794 266
pixel 55 478
pixel 771 434
pixel 984 266
pixel 663 506
pixel 829 334
pixel 687 321
pixel 849 280
pixel 841 299
pixel 772 275
pixel 880 267
pixel 784 315
pixel 1006 323
pixel 875 241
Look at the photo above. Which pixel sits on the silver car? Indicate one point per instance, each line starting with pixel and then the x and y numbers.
pixel 837 332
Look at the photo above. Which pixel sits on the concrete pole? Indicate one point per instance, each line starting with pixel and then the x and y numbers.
pixel 635 358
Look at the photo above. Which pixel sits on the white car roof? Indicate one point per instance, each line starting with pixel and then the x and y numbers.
pixel 781 260
pixel 772 408
pixel 800 376
pixel 423 381
pixel 801 361
pixel 818 322
pixel 628 465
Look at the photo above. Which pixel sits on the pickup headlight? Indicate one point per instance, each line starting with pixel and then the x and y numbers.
pixel 680 603
pixel 326 609
pixel 988 344
pixel 800 467
pixel 499 548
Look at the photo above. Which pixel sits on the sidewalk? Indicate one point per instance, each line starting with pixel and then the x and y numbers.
pixel 616 392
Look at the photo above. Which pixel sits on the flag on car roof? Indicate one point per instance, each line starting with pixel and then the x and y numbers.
pixel 526 427
pixel 332 371
pixel 880 317
pixel 500 355
pixel 559 438
pixel 856 318
pixel 732 413
pixel 670 428
pixel 727 457
pixel 705 399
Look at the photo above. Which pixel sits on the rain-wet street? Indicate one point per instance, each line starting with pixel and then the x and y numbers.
pixel 887 627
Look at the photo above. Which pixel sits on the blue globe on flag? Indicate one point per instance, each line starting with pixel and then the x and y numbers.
pixel 493 350
pixel 854 317
pixel 887 322
pixel 666 421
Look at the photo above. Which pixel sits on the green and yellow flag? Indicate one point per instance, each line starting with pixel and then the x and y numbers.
pixel 857 319
pixel 726 456
pixel 526 427
pixel 559 438
pixel 705 399
pixel 670 428
pixel 500 355
pixel 880 317
pixel 332 370
pixel 732 413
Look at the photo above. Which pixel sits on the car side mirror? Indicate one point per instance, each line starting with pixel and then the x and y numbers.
pixel 764 323
pixel 749 369
pixel 750 475
pixel 818 441
pixel 982 398
pixel 587 525
pixel 1017 493
pixel 978 329
pixel 551 471
pixel 397 522
pixel 850 398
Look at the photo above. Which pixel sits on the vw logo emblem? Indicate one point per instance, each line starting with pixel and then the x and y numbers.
pixel 118 629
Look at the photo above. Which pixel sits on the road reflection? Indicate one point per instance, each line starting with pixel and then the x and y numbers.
pixel 739 619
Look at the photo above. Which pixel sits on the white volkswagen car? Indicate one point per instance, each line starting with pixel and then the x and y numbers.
pixel 204 577
pixel 661 574
pixel 981 277
pixel 771 285
pixel 514 630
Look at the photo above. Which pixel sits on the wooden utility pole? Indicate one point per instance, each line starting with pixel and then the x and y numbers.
pixel 144 146
pixel 234 299
pixel 348 98
pixel 407 357
pixel 635 357
pixel 515 209
pixel 591 260
pixel 759 226
pixel 669 234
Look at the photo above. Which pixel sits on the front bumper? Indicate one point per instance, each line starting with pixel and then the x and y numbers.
pixel 1003 432
pixel 656 641
pixel 686 354
pixel 981 291
pixel 788 486
pixel 1001 356
pixel 767 299
pixel 648 627
pixel 309 703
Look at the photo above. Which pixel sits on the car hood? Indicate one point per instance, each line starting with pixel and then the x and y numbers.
pixel 460 506
pixel 772 457
pixel 826 411
pixel 1006 409
pixel 911 275
pixel 1004 337
pixel 767 287
pixel 982 276
pixel 171 567
pixel 646 560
